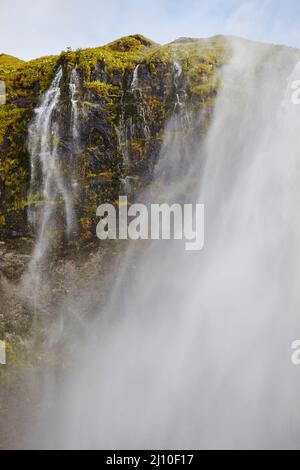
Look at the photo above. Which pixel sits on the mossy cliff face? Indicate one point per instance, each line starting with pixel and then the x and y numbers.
pixel 25 83
pixel 126 93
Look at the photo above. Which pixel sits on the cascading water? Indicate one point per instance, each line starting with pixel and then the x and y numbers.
pixel 181 140
pixel 74 86
pixel 180 108
pixel 177 76
pixel 178 70
pixel 39 140
pixel 46 166
pixel 126 128
pixel 130 129
pixel 135 89
pixel 194 348
pixel 50 187
pixel 135 78
pixel 74 122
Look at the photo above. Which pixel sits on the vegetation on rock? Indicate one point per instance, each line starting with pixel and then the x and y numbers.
pixel 116 120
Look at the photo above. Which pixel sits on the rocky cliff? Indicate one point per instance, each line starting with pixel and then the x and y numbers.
pixel 126 92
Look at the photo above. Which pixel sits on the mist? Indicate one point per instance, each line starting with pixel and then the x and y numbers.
pixel 193 349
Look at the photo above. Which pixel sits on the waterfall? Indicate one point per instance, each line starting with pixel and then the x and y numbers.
pixel 180 109
pixel 50 183
pixel 146 129
pixel 39 137
pixel 177 71
pixel 126 129
pixel 135 78
pixel 130 128
pixel 193 350
pixel 141 108
pixel 74 123
pixel 178 103
pixel 74 87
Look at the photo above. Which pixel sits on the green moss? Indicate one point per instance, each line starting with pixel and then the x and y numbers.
pixel 100 89
pixel 130 43
pixel 25 83
pixel 21 83
pixel 8 63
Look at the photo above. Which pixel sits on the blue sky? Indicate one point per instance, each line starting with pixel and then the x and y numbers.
pixel 32 28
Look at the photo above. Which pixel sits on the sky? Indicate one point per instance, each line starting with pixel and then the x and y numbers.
pixel 34 28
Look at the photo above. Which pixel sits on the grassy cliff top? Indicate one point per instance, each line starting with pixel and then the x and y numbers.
pixel 121 55
pixel 9 64
pixel 25 79
pixel 10 61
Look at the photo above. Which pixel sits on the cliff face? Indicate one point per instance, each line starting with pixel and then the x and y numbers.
pixel 125 93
